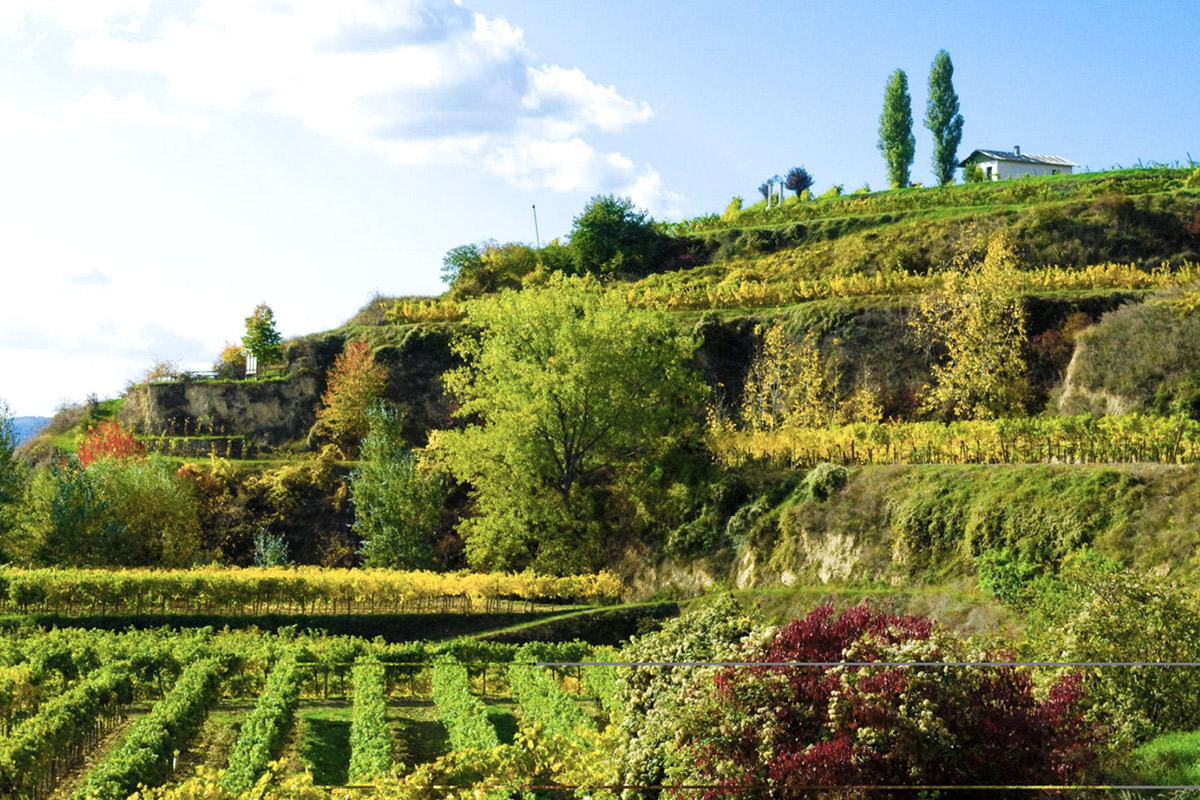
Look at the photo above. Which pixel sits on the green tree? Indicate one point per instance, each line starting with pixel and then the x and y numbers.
pixel 262 340
pixel 896 140
pixel 113 513
pixel 612 236
pixel 396 505
pixel 355 381
pixel 942 118
pixel 568 395
pixel 979 316
pixel 475 270
pixel 12 479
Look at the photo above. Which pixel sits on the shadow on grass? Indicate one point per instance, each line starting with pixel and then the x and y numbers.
pixel 327 749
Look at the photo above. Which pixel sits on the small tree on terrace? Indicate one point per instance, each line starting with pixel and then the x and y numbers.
pixel 613 236
pixel 355 381
pixel 797 180
pixel 262 340
pixel 979 317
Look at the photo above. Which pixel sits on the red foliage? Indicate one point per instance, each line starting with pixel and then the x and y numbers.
pixel 827 725
pixel 109 440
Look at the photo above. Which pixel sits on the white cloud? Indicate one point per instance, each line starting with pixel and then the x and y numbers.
pixel 17 123
pixel 649 191
pixel 75 15
pixel 416 81
pixel 569 103
pixel 99 107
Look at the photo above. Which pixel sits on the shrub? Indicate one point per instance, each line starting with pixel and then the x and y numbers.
pixel 109 439
pixel 833 191
pixel 231 364
pixel 825 480
pixel 787 726
pixel 731 210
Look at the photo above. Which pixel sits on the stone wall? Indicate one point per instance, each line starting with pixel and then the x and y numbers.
pixel 269 412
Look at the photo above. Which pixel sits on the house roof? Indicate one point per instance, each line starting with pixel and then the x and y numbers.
pixel 1023 158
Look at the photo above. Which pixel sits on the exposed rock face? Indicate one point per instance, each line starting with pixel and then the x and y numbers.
pixel 1078 397
pixel 271 411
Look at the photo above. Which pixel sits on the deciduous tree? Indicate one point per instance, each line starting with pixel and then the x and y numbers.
pixel 566 391
pixel 797 180
pixel 355 381
pixel 788 384
pixel 979 317
pixel 108 439
pixel 896 140
pixel 12 477
pixel 612 236
pixel 113 513
pixel 262 340
pixel 942 118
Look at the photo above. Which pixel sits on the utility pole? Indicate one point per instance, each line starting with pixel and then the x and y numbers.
pixel 537 237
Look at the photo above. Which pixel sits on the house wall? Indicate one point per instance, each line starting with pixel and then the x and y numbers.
pixel 1017 169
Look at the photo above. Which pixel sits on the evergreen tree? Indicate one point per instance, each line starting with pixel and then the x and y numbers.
pixel 396 504
pixel 942 118
pixel 896 139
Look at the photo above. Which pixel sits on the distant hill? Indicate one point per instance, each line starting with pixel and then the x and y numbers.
pixel 26 428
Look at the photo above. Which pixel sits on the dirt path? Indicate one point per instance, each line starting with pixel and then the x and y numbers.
pixel 210 749
pixel 69 783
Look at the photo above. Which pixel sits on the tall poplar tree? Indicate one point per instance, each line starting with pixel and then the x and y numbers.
pixel 896 139
pixel 942 118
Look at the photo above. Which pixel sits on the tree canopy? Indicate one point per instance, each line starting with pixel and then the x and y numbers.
pixel 979 317
pixel 355 382
pixel 262 340
pixel 565 391
pixel 396 504
pixel 942 118
pixel 896 140
pixel 612 236
pixel 11 475
pixel 797 180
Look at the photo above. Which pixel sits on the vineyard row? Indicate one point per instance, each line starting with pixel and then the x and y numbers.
pixel 1082 439
pixel 301 590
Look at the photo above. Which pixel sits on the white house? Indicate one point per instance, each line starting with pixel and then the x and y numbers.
pixel 998 165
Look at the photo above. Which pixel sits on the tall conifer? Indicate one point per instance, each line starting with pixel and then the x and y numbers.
pixel 896 139
pixel 942 118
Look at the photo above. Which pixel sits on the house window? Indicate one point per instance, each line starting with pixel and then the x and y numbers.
pixel 989 173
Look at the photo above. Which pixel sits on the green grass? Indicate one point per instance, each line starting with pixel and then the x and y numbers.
pixel 325 740
pixel 420 737
pixel 1172 759
pixel 503 716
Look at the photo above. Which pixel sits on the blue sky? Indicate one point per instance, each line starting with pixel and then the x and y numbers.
pixel 165 166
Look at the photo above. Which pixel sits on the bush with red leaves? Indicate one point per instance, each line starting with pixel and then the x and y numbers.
pixel 836 724
pixel 109 440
